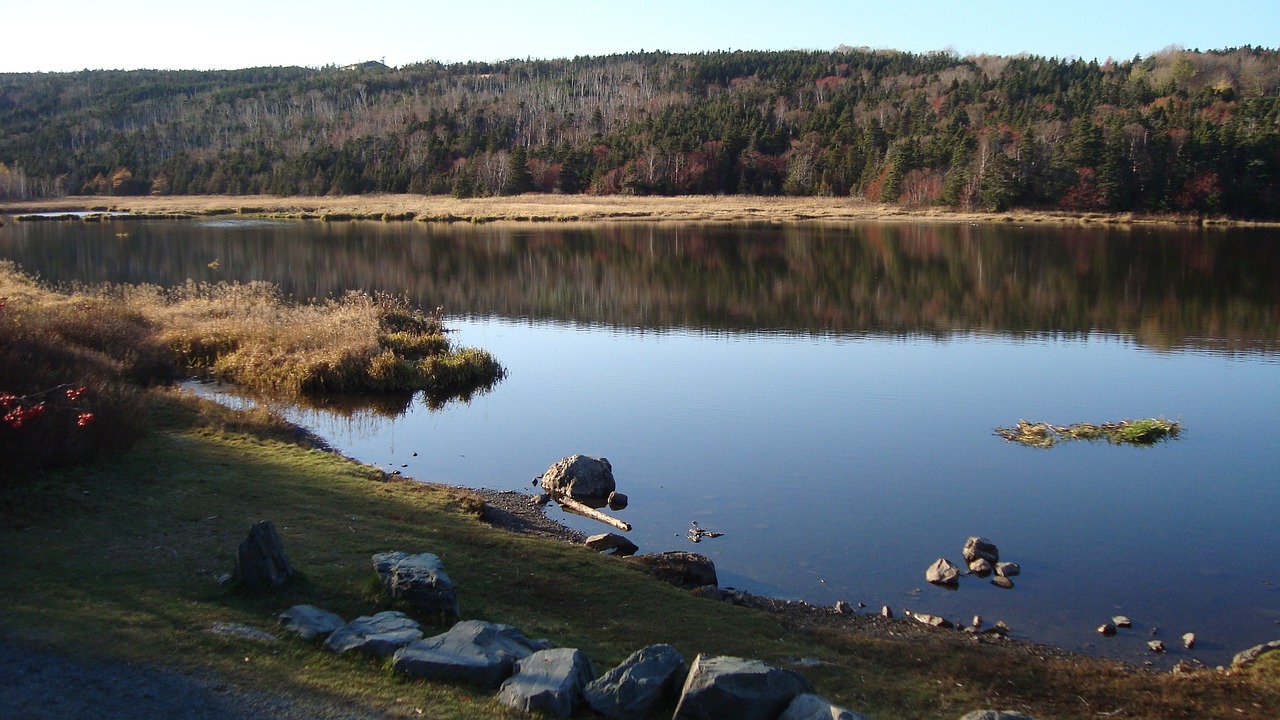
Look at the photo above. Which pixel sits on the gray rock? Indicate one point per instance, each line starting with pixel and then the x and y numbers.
pixel 996 715
pixel 1156 646
pixel 1245 658
pixel 617 501
pixel 813 707
pixel 927 619
pixel 1008 569
pixel 1107 629
pixel 942 572
pixel 1121 621
pixel 419 580
pixel 605 542
pixel 473 651
pixel 633 689
pixel 979 547
pixel 844 608
pixel 310 622
pixel 1189 641
pixel 580 477
pixel 729 687
pixel 1001 581
pixel 682 569
pixel 379 635
pixel 886 611
pixel 260 561
pixel 980 567
pixel 548 681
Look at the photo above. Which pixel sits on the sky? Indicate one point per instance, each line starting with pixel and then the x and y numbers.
pixel 71 35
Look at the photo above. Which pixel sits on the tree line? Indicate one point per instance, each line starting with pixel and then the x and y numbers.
pixel 1179 131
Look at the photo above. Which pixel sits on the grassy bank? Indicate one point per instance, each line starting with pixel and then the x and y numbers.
pixel 577 208
pixel 121 556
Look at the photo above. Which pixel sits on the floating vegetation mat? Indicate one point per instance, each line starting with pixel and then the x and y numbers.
pixel 1126 432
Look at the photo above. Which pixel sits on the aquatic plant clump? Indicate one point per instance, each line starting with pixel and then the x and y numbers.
pixel 1144 432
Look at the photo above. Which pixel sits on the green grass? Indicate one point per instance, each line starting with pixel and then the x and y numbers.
pixel 122 556
pixel 1141 433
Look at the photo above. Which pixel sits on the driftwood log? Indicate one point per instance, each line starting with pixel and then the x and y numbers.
pixel 574 506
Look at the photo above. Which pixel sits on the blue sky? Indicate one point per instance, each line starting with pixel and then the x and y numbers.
pixel 128 34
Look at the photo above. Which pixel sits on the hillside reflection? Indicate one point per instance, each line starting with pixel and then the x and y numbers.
pixel 1210 289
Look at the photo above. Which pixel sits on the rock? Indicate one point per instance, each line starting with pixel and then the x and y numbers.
pixel 1121 621
pixel 1008 569
pixel 540 500
pixel 927 619
pixel 617 501
pixel 844 608
pixel 978 547
pixel 682 569
pixel 379 635
pixel 996 715
pixel 548 681
pixel 976 622
pixel 634 688
pixel 1107 629
pixel 710 592
pixel 472 651
pixel 886 611
pixel 1245 658
pixel 1002 582
pixel 419 580
pixel 1156 646
pixel 605 542
pixel 580 477
pixel 942 572
pixel 1189 640
pixel 813 707
pixel 260 561
pixel 1186 667
pixel 980 567
pixel 729 687
pixel 310 622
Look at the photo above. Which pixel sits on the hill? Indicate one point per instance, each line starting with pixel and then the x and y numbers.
pixel 1180 131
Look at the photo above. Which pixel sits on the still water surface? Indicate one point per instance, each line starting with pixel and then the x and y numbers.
pixel 825 397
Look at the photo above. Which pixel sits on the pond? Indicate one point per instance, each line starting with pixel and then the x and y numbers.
pixel 825 396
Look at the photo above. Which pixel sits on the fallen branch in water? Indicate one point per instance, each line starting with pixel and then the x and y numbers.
pixel 574 506
pixel 1126 432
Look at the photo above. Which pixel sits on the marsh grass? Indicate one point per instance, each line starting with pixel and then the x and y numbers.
pixel 123 554
pixel 1146 432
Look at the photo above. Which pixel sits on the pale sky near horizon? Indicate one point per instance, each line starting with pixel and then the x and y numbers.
pixel 130 34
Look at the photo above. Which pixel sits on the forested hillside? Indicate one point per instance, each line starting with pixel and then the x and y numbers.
pixel 1180 131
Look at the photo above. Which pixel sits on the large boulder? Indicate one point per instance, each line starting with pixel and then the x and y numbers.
pixel 604 542
pixel 548 681
pixel 682 569
pixel 418 579
pixel 979 547
pixel 260 560
pixel 812 707
pixel 472 651
pixel 631 690
pixel 581 478
pixel 310 622
pixel 379 635
pixel 729 687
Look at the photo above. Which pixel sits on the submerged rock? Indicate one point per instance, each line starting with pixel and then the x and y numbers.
pixel 1002 582
pixel 979 547
pixel 1107 629
pixel 942 572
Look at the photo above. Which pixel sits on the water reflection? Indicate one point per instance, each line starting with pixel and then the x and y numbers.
pixel 1180 288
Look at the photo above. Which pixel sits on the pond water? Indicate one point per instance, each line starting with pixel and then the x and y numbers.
pixel 826 396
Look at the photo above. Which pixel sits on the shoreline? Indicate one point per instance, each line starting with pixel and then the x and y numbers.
pixel 580 209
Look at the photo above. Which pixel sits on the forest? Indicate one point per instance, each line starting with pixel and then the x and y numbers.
pixel 1181 131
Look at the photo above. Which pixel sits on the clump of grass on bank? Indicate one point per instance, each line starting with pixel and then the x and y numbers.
pixel 113 341
pixel 131 564
pixel 1144 432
